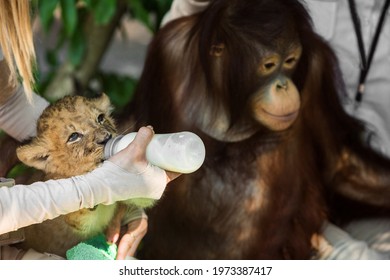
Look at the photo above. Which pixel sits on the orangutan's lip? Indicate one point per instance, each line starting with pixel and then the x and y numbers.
pixel 284 118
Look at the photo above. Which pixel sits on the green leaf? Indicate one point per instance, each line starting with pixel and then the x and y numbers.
pixel 69 16
pixel 88 3
pixel 46 12
pixel 103 10
pixel 51 58
pixel 163 6
pixel 120 89
pixel 77 47
pixel 19 169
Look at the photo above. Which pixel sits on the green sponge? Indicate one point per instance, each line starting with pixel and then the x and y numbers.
pixel 95 248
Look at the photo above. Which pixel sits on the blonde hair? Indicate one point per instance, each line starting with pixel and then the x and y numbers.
pixel 16 42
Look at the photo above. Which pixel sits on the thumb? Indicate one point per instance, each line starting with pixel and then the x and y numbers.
pixel 140 142
pixel 133 157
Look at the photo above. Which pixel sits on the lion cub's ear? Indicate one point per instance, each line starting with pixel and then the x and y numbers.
pixel 33 154
pixel 103 103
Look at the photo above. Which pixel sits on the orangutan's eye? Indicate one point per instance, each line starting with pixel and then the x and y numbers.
pixel 290 60
pixel 269 64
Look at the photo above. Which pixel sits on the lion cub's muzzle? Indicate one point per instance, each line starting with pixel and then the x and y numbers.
pixel 106 138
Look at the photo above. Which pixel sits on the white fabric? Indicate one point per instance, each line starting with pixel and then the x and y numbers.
pixel 333 21
pixel 18 117
pixel 23 205
pixel 184 8
pixel 31 254
pixel 346 246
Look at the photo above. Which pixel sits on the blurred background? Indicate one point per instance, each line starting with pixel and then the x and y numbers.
pixel 90 46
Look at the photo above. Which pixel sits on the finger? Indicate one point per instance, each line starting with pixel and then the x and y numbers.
pixel 141 141
pixel 114 228
pixel 129 242
pixel 113 232
pixel 171 175
pixel 133 249
pixel 125 244
pixel 133 157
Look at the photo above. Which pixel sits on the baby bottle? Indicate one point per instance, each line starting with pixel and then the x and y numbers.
pixel 182 152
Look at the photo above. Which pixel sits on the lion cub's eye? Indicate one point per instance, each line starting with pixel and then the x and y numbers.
pixel 74 137
pixel 100 118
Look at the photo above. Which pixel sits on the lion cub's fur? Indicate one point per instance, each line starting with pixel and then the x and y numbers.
pixel 71 134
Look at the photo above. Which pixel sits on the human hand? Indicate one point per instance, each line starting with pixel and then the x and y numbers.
pixel 133 157
pixel 126 175
pixel 129 236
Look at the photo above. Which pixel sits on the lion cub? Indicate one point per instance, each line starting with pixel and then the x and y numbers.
pixel 71 135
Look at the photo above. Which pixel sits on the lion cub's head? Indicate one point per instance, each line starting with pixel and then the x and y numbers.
pixel 71 134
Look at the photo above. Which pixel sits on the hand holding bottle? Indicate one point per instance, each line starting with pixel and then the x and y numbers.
pixel 182 152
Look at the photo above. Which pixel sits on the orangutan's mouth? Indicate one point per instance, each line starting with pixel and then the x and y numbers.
pixel 284 118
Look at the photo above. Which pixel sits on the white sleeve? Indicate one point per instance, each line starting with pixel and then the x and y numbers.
pixel 18 117
pixel 181 8
pixel 23 205
pixel 345 247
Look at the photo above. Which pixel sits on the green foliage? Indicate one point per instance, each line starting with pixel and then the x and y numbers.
pixel 71 34
pixel 73 14
pixel 120 89
pixel 20 169
pixel 46 12
pixel 139 12
pixel 76 47
pixel 103 10
pixel 149 12
pixel 69 16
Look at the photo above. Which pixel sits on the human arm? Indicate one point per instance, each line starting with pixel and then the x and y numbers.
pixel 125 175
pixel 18 116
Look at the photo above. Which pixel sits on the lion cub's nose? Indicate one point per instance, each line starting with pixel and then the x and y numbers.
pixel 107 137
